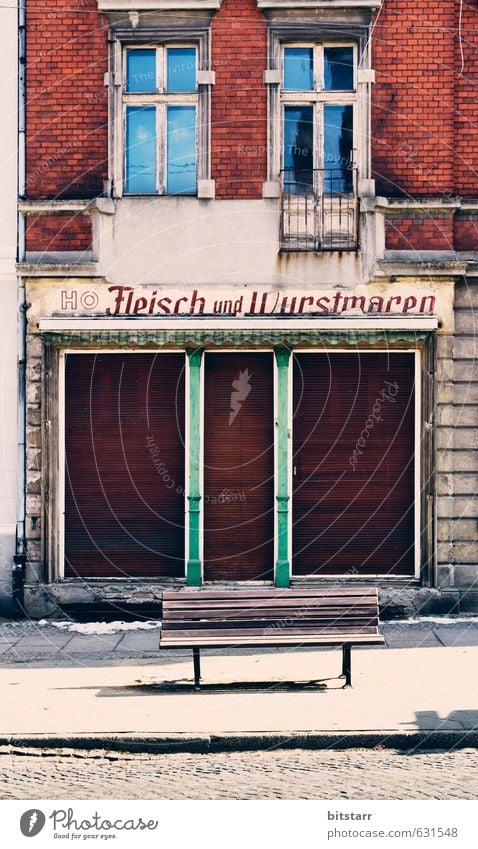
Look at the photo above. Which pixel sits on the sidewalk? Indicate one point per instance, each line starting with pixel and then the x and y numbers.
pixel 60 687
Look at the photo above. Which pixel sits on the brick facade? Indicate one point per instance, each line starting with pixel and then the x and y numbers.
pixel 58 233
pixel 422 122
pixel 414 98
pixel 67 117
pixel 239 100
pixel 420 232
pixel 465 228
pixel 466 130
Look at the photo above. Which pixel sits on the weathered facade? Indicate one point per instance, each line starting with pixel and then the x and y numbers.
pixel 250 259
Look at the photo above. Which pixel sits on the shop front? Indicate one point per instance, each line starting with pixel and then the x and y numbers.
pixel 352 484
pixel 203 447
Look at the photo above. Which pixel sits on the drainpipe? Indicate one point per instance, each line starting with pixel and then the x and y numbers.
pixel 18 573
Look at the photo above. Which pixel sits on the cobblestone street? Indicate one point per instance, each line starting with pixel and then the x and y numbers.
pixel 295 774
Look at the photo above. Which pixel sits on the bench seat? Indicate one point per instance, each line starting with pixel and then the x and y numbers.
pixel 199 619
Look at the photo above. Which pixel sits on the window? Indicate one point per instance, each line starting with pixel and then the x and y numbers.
pixel 160 102
pixel 318 104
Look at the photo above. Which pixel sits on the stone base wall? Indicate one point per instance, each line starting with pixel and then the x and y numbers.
pixel 399 602
pixel 456 423
pixel 35 502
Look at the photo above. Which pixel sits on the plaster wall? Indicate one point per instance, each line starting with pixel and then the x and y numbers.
pixel 8 303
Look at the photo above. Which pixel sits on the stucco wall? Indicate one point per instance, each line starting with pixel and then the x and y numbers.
pixel 8 304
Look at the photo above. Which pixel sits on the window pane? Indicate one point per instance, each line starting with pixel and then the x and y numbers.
pixel 298 69
pixel 338 147
pixel 140 150
pixel 298 149
pixel 338 68
pixel 181 156
pixel 181 69
pixel 141 70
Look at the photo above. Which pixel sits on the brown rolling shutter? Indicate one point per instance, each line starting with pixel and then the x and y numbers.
pixel 353 485
pixel 238 467
pixel 124 475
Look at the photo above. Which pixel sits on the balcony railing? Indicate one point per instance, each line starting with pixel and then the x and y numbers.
pixel 319 210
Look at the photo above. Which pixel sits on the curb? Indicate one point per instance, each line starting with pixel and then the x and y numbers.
pixel 248 742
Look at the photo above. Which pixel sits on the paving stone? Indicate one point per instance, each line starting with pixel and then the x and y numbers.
pixel 43 641
pixel 409 644
pixel 4 646
pixel 409 637
pixel 138 641
pixel 86 644
pixel 453 635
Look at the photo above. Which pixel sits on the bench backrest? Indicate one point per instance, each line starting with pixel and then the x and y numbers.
pixel 272 612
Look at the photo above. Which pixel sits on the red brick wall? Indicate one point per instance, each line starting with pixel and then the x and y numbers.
pixel 425 132
pixel 239 100
pixel 66 99
pixel 413 98
pixel 466 231
pixel 466 104
pixel 420 231
pixel 60 232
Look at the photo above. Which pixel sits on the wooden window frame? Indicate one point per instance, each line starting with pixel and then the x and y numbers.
pixel 160 100
pixel 287 33
pixel 318 97
pixel 158 39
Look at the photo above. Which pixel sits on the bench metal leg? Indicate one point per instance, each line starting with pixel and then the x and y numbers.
pixel 197 669
pixel 347 664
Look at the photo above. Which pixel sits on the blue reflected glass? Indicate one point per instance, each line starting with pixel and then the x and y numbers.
pixel 298 69
pixel 298 149
pixel 181 69
pixel 181 155
pixel 338 148
pixel 140 150
pixel 141 70
pixel 338 68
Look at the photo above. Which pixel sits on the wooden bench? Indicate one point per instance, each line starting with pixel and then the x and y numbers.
pixel 204 619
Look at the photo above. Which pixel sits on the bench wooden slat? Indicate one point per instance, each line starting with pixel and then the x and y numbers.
pixel 264 622
pixel 265 632
pixel 256 642
pixel 245 616
pixel 262 604
pixel 268 621
pixel 258 604
pixel 204 595
pixel 294 628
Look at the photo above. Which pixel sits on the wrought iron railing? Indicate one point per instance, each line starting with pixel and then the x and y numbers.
pixel 319 210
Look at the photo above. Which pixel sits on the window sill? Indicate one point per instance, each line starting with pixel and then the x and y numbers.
pixel 205 191
pixel 155 195
pixel 284 249
pixel 156 5
pixel 319 4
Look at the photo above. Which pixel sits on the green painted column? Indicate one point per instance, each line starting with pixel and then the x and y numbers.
pixel 193 565
pixel 283 566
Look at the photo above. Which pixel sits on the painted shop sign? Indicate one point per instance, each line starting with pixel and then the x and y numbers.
pixel 90 298
pixel 132 300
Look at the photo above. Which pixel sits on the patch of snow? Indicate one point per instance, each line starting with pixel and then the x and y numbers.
pixel 437 620
pixel 101 627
